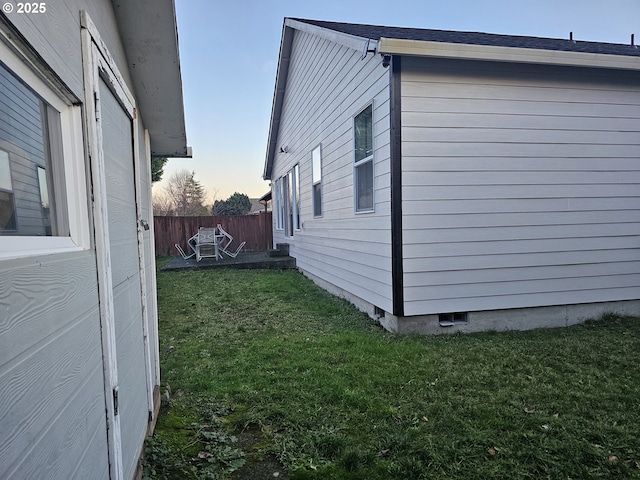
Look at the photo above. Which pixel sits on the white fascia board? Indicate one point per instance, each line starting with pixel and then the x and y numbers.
pixel 350 41
pixel 393 46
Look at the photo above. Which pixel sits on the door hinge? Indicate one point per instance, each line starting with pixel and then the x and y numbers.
pixel 96 99
pixel 115 400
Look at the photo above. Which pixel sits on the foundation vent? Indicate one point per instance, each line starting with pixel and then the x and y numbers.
pixel 451 319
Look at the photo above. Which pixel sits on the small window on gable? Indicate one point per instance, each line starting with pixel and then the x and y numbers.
pixel 316 174
pixel 363 167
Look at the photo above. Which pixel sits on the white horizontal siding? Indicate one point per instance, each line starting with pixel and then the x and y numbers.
pixel 521 188
pixel 327 86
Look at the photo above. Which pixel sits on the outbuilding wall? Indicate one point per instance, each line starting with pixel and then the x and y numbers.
pixel 52 391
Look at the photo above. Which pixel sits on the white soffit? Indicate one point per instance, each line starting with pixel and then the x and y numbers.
pixel 149 35
pixel 350 41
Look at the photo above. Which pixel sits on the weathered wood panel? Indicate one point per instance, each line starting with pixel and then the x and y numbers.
pixel 253 229
pixel 519 190
pixel 123 237
pixel 149 254
pixel 327 85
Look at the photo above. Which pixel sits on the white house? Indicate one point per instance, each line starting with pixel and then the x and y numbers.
pixel 449 180
pixel 89 90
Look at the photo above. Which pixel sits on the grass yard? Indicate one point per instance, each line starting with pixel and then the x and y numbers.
pixel 271 377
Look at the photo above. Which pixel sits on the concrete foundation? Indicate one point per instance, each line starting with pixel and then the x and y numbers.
pixel 511 319
pixel 498 320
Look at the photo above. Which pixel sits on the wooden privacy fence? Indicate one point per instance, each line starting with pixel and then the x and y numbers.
pixel 253 229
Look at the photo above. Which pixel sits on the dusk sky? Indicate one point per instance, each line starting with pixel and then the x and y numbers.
pixel 229 54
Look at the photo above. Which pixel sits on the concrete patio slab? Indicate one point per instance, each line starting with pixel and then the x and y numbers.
pixel 244 260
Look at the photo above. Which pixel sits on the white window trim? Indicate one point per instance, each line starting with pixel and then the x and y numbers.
pixel 361 162
pixel 315 182
pixel 73 161
pixel 295 180
pixel 279 206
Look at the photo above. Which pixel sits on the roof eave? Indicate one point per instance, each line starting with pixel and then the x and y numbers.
pixel 394 46
pixel 286 42
pixel 153 58
pixel 354 42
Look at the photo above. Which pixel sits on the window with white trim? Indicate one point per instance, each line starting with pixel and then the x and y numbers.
pixel 316 180
pixel 43 199
pixel 279 204
pixel 29 144
pixel 363 166
pixel 295 187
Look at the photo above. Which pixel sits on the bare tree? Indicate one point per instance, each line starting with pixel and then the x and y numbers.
pixel 186 194
pixel 162 205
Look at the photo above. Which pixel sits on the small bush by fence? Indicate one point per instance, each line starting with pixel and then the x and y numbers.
pixel 253 229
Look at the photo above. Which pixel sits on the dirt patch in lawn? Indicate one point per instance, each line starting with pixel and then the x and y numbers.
pixel 259 466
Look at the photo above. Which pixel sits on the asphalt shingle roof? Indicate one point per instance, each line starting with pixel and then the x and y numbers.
pixel 375 32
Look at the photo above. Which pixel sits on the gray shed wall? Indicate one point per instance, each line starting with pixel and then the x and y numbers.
pixel 52 399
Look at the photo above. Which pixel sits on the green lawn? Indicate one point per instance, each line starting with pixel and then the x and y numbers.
pixel 264 365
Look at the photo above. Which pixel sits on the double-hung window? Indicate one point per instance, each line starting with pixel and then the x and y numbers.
pixel 316 180
pixel 363 167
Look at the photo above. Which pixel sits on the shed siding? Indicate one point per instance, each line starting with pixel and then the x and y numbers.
pixel 521 186
pixel 52 399
pixel 327 86
pixel 50 32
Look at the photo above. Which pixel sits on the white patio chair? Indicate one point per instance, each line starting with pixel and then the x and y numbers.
pixel 206 244
pixel 184 255
pixel 226 239
pixel 234 254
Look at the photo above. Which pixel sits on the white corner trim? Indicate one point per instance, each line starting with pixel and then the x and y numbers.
pixel 393 46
